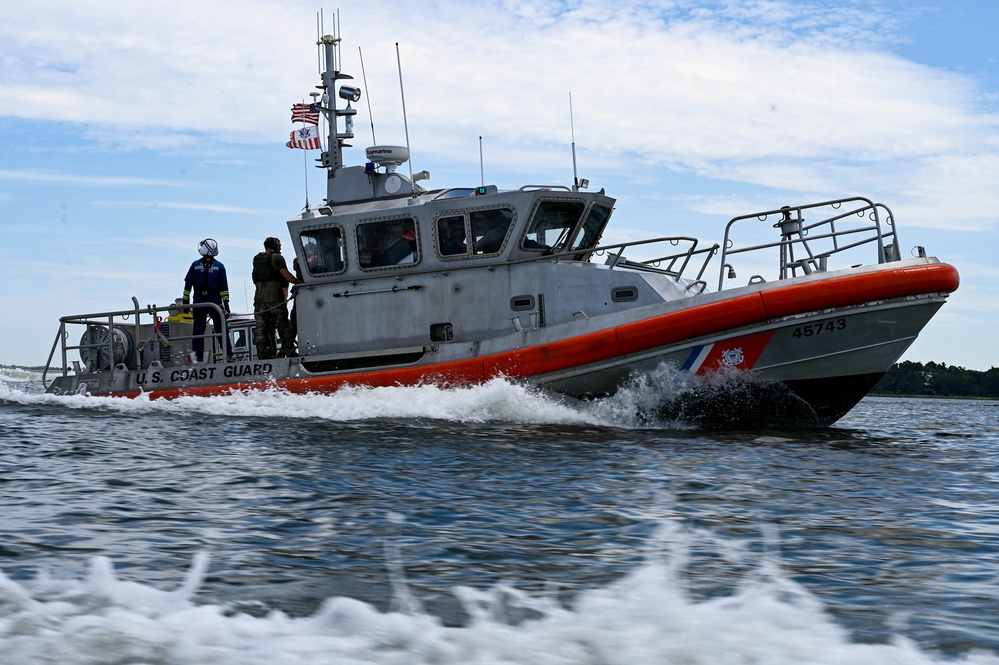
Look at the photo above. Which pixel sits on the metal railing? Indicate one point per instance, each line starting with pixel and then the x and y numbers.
pixel 808 246
pixel 113 339
pixel 674 264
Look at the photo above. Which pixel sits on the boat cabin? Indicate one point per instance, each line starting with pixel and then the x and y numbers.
pixel 376 265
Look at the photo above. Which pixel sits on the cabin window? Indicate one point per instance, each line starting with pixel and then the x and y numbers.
pixel 451 235
pixel 624 294
pixel 551 225
pixel 477 232
pixel 323 250
pixel 387 242
pixel 594 225
pixel 454 194
pixel 489 229
pixel 238 340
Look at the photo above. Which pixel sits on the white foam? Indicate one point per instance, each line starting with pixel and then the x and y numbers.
pixel 497 400
pixel 14 374
pixel 646 617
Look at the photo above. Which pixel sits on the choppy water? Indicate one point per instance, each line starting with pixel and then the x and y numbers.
pixel 489 525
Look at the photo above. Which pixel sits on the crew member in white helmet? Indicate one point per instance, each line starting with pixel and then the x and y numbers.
pixel 206 278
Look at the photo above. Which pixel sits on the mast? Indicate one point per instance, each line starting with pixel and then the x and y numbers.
pixel 332 157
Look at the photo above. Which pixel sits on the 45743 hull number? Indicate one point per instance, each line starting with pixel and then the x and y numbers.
pixel 812 329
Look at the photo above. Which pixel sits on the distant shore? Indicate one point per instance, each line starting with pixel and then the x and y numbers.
pixel 912 379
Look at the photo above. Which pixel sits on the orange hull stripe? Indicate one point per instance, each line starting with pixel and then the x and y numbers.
pixel 630 338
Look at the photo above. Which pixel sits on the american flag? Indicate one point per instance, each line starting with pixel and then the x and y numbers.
pixel 307 113
pixel 306 138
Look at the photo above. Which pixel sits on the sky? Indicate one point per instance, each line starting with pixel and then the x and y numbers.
pixel 131 131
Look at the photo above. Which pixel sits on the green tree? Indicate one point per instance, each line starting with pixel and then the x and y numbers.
pixel 912 378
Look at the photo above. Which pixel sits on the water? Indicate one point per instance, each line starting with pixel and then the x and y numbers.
pixel 490 525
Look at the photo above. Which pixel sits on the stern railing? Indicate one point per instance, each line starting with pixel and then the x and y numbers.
pixel 119 339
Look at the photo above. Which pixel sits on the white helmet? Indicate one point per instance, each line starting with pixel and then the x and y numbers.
pixel 208 247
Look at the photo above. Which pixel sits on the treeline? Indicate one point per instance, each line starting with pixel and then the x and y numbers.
pixel 911 378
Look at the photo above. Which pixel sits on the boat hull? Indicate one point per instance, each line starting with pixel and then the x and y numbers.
pixel 801 370
pixel 800 353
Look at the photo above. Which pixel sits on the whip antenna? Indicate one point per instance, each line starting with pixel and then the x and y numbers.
pixel 364 77
pixel 572 130
pixel 482 172
pixel 319 37
pixel 405 123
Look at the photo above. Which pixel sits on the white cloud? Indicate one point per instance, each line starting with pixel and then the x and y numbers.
pixel 83 180
pixel 177 205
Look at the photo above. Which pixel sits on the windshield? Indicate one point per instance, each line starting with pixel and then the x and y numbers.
pixel 551 224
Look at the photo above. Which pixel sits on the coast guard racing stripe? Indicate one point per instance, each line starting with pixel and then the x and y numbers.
pixel 737 353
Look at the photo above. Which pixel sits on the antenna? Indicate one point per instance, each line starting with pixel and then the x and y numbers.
pixel 482 173
pixel 572 129
pixel 405 123
pixel 364 77
pixel 337 33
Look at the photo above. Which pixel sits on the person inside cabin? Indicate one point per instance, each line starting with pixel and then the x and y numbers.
pixel 312 260
pixel 410 239
pixel 454 240
pixel 207 280
pixel 491 240
pixel 270 305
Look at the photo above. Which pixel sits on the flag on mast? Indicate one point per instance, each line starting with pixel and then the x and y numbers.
pixel 306 138
pixel 307 113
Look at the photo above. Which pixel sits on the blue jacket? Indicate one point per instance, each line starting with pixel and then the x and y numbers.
pixel 209 285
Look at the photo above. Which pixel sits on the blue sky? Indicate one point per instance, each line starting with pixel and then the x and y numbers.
pixel 130 131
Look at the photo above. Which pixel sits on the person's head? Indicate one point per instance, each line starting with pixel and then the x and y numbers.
pixel 272 244
pixel 208 247
pixel 410 238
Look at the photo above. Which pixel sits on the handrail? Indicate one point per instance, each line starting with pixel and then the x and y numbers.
pixel 796 234
pixel 116 320
pixel 637 265
pixel 48 362
pixel 543 188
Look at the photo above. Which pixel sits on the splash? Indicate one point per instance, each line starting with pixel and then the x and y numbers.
pixel 497 401
pixel 665 398
pixel 670 398
pixel 15 374
pixel 646 617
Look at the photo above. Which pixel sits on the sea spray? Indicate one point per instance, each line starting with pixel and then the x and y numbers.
pixel 648 616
